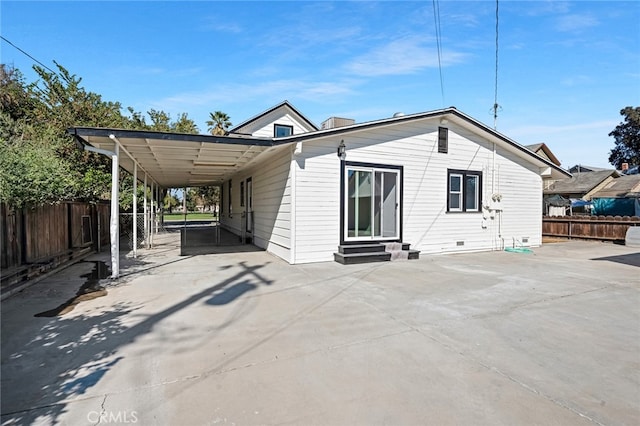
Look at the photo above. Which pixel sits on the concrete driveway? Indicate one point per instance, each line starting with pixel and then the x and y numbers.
pixel 244 338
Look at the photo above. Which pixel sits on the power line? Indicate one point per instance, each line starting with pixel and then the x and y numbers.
pixel 436 18
pixel 27 54
pixel 496 107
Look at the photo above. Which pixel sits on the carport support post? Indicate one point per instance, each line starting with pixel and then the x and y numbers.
pixel 146 212
pixel 135 210
pixel 151 218
pixel 115 215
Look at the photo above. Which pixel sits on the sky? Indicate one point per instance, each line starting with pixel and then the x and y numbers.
pixel 565 69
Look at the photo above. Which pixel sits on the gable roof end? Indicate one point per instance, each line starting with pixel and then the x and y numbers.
pixel 284 103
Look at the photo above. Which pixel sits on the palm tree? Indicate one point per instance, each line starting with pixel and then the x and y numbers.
pixel 219 123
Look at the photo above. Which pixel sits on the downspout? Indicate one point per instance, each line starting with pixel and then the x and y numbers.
pixel 114 219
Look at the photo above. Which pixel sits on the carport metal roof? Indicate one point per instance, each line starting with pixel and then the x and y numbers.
pixel 175 160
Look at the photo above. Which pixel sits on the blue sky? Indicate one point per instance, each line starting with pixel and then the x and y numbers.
pixel 565 68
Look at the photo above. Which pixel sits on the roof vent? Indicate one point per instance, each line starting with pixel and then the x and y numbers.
pixel 333 122
pixel 398 114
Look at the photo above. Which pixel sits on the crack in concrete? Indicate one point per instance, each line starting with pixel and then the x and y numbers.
pixel 102 410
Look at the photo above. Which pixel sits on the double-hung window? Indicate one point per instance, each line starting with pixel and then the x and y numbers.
pixel 464 191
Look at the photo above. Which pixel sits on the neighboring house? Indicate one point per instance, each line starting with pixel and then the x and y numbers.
pixel 579 168
pixel 543 151
pixel 582 185
pixel 620 197
pixel 438 181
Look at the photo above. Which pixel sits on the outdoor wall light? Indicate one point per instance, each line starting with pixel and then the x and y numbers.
pixel 342 150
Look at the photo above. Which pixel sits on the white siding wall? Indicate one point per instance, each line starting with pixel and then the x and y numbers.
pixel 271 181
pixel 427 225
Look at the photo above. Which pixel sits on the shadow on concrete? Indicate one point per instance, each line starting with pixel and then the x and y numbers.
pixel 632 259
pixel 66 356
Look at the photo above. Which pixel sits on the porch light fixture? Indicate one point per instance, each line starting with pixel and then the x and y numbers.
pixel 342 150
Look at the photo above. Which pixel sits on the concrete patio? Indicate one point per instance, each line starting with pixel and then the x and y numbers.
pixel 240 337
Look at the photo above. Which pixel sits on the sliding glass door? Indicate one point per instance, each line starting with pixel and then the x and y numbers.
pixel 372 203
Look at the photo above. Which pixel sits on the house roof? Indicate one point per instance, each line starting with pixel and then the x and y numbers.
pixel 445 114
pixel 283 104
pixel 626 186
pixel 545 149
pixel 581 168
pixel 580 183
pixel 178 160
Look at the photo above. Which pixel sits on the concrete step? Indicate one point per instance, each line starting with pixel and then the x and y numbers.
pixel 353 258
pixel 361 248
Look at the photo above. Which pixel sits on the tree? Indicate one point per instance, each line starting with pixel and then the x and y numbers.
pixel 209 195
pixel 170 202
pixel 184 125
pixel 627 139
pixel 219 123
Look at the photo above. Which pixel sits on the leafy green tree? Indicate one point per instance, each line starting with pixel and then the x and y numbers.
pixel 31 174
pixel 170 202
pixel 184 125
pixel 627 138
pixel 192 199
pixel 209 196
pixel 14 97
pixel 218 123
pixel 160 120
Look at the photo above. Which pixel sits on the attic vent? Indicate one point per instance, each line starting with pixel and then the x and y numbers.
pixel 398 114
pixel 333 122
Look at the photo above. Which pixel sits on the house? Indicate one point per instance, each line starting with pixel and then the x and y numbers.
pixel 543 151
pixel 581 186
pixel 620 197
pixel 580 168
pixel 433 182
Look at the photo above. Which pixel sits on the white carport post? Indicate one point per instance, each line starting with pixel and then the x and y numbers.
pixel 135 210
pixel 115 213
pixel 151 216
pixel 145 210
pixel 114 227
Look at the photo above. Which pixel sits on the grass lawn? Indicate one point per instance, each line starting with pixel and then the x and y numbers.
pixel 190 216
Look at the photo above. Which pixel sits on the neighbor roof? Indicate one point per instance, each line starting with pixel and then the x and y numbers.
pixel 626 186
pixel 580 183
pixel 545 149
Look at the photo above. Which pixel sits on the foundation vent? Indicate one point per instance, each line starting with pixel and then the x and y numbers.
pixel 459 243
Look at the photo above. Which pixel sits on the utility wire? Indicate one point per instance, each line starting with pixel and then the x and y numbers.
pixel 496 107
pixel 436 18
pixel 34 59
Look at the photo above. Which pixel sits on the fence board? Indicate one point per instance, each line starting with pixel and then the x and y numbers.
pixel 604 228
pixel 37 235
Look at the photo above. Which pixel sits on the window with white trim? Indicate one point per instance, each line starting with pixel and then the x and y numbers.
pixel 464 191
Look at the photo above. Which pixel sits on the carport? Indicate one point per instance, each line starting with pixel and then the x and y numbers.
pixel 160 161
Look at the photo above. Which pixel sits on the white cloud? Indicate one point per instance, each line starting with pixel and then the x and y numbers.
pixel 221 24
pixel 576 22
pixel 245 93
pixel 403 56
pixel 577 80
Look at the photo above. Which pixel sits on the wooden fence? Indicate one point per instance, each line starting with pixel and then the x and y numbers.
pixel 34 240
pixel 604 228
